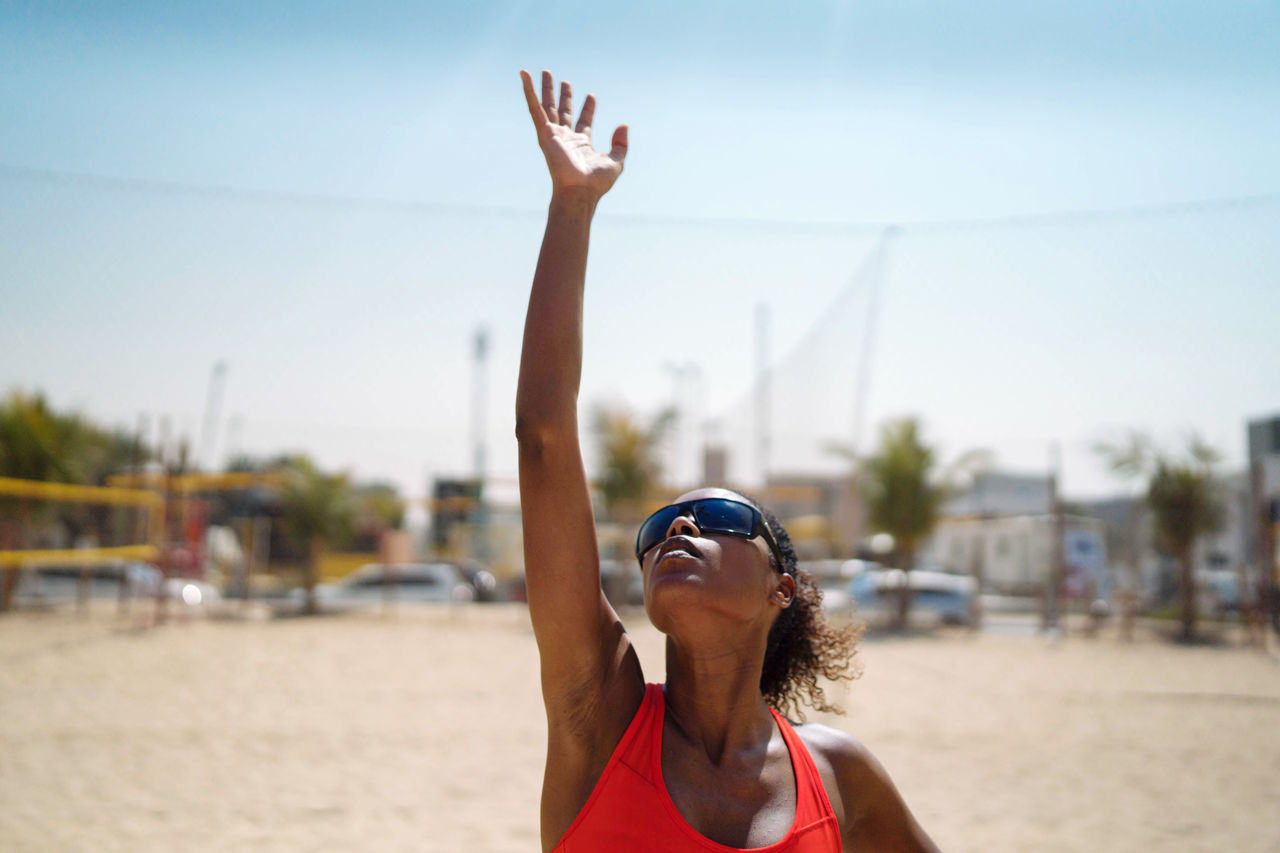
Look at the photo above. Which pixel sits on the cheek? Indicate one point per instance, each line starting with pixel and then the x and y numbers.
pixel 745 564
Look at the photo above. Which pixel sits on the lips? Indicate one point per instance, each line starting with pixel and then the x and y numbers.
pixel 681 545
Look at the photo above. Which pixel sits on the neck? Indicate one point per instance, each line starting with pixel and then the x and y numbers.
pixel 713 695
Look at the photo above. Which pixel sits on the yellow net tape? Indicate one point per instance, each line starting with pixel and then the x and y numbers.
pixel 199 482
pixel 76 556
pixel 78 494
pixel 68 493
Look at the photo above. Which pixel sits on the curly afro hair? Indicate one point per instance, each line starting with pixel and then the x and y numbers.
pixel 803 645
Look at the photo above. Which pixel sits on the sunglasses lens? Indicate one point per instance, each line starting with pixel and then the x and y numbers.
pixel 654 530
pixel 725 516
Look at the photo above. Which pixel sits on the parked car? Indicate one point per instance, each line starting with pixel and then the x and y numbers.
pixel 375 583
pixel 482 581
pixel 945 596
pixel 52 585
pixel 836 585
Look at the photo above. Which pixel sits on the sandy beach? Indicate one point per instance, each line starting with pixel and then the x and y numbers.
pixel 423 731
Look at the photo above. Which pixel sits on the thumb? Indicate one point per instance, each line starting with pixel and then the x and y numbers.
pixel 618 151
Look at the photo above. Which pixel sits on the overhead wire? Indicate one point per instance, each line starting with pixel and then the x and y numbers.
pixel 802 226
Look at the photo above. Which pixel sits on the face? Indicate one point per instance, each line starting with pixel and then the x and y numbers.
pixel 711 572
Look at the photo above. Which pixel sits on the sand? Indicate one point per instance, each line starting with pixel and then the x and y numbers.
pixel 423 731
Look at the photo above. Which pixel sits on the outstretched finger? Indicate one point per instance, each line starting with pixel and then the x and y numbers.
pixel 618 151
pixel 536 111
pixel 549 98
pixel 566 103
pixel 588 113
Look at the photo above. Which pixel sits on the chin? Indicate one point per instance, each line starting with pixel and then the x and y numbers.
pixel 675 597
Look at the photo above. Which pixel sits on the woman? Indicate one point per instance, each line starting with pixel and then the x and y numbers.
pixel 702 762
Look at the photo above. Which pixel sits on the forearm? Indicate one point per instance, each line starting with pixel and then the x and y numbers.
pixel 551 357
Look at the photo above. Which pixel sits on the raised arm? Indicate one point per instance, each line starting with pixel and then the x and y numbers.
pixel 591 680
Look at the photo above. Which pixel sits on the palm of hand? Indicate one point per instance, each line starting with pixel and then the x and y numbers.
pixel 572 160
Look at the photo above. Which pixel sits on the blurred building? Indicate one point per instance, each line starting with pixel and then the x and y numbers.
pixel 996 493
pixel 476 523
pixel 1000 530
pixel 1014 554
pixel 823 514
pixel 1222 557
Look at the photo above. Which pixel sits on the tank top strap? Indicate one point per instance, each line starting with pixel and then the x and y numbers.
pixel 637 746
pixel 812 803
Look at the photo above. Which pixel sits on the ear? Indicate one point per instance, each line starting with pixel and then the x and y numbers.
pixel 784 591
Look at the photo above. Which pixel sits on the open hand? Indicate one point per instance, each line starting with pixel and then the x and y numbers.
pixel 573 161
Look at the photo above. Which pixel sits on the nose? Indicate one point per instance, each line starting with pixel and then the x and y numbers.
pixel 683 525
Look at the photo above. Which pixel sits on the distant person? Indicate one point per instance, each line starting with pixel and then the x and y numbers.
pixel 701 763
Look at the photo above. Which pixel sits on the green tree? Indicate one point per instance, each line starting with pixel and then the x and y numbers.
pixel 379 505
pixel 1183 498
pixel 318 510
pixel 630 470
pixel 904 487
pixel 39 443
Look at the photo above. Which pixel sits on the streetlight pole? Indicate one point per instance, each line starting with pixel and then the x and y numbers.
pixel 763 402
pixel 212 407
pixel 1058 558
pixel 479 400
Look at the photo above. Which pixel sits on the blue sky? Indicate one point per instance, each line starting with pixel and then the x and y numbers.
pixel 347 323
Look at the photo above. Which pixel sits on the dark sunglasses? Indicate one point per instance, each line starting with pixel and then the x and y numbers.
pixel 711 515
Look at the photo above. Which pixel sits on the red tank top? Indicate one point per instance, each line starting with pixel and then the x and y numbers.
pixel 630 811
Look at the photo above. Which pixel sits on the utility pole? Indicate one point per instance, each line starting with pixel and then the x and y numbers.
pixel 763 402
pixel 143 517
pixel 212 405
pixel 1058 559
pixel 675 460
pixel 978 559
pixel 686 390
pixel 235 436
pixel 696 398
pixel 139 533
pixel 479 400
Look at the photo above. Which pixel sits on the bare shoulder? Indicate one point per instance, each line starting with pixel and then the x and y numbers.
pixel 871 812
pixel 835 745
pixel 846 756
pixel 849 772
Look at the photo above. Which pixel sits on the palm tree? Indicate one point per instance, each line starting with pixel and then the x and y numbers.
pixel 630 470
pixel 318 510
pixel 1182 496
pixel 905 488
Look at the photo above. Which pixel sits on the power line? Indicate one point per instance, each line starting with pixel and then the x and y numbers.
pixel 801 226
pixel 291 197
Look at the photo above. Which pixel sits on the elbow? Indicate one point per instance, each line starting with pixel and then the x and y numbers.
pixel 532 435
pixel 528 432
pixel 544 418
pixel 536 435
